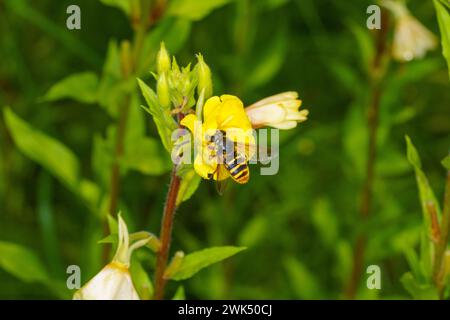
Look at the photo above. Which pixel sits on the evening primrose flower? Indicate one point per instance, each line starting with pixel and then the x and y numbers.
pixel 411 39
pixel 114 282
pixel 226 114
pixel 278 111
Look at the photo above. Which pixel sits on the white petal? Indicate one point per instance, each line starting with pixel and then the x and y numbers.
pixel 284 125
pixel 297 115
pixel 113 282
pixel 266 114
pixel 289 95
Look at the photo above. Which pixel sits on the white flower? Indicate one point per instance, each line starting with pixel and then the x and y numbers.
pixel 114 282
pixel 278 111
pixel 411 39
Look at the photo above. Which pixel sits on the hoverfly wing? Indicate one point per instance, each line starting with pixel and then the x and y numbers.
pixel 221 176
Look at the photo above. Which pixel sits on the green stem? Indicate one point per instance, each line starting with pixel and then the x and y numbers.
pixel 441 246
pixel 377 74
pixel 166 234
pixel 128 65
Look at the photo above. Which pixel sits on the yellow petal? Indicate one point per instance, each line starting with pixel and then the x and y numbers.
pixel 203 167
pixel 232 115
pixel 189 122
pixel 210 108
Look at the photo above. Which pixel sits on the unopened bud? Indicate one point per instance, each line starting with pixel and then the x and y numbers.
pixel 162 60
pixel 204 77
pixel 162 90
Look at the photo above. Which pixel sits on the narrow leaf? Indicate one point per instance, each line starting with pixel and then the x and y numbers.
pixel 189 184
pixel 446 162
pixel 22 263
pixel 48 152
pixel 164 122
pixel 194 262
pixel 443 15
pixel 194 9
pixel 81 87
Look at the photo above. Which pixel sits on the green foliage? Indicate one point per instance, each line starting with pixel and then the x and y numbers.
pixel 47 151
pixel 419 291
pixel 302 280
pixel 179 294
pixel 146 156
pixel 443 15
pixel 194 9
pixel 446 162
pixel 22 263
pixel 124 5
pixel 196 261
pixel 81 87
pixel 141 280
pixel 161 116
pixel 301 224
pixel 190 181
pixel 427 196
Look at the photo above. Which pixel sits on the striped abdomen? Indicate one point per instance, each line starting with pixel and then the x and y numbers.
pixel 238 168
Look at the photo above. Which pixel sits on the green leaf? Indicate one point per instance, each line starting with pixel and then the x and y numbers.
pixel 364 41
pixel 22 263
pixel 302 280
pixel 81 87
pixel 443 15
pixel 164 122
pixel 147 156
pixel 355 138
pixel 112 89
pixel 113 226
pixel 412 154
pixel 48 152
pixel 60 161
pixel 270 62
pixel 418 290
pixel 326 222
pixel 112 238
pixel 446 162
pixel 194 9
pixel 141 280
pixel 190 181
pixel 427 196
pixel 123 5
pixel 179 294
pixel 255 230
pixel 194 262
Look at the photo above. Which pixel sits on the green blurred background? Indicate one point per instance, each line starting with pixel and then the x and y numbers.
pixel 299 225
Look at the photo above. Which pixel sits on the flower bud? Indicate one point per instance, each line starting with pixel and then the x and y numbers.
pixel 278 111
pixel 162 90
pixel 114 282
pixel 204 77
pixel 162 60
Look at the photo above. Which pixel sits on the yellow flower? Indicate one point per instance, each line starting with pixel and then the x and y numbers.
pixel 114 282
pixel 225 113
pixel 278 111
pixel 411 39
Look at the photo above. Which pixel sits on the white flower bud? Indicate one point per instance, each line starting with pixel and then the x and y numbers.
pixel 278 111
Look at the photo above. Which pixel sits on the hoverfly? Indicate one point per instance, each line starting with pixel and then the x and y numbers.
pixel 231 158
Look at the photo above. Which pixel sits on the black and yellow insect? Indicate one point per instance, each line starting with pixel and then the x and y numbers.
pixel 232 161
